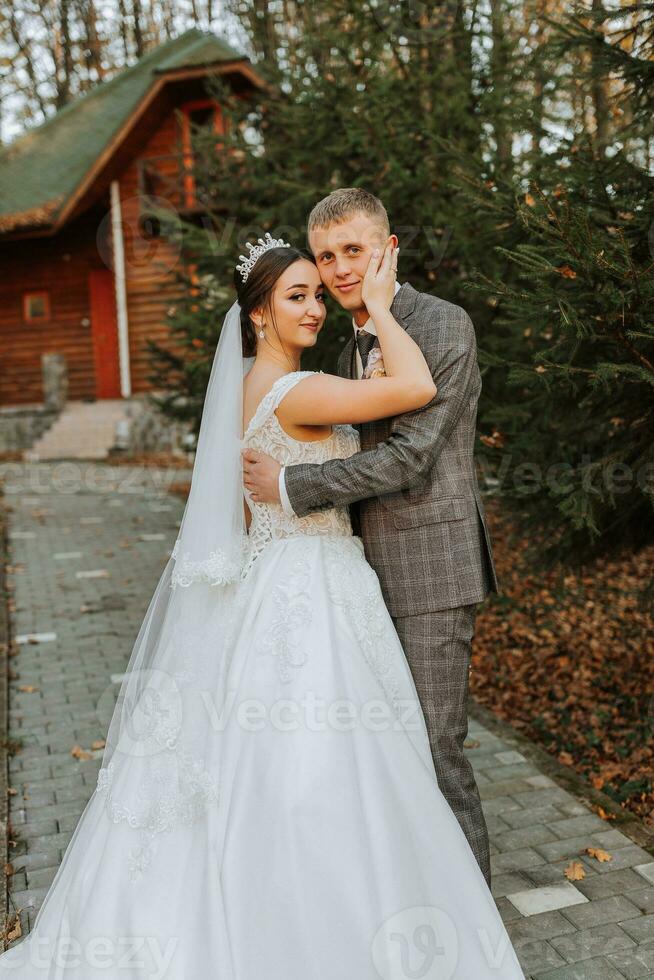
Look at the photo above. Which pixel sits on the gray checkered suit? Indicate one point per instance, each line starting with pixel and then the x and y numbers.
pixel 417 506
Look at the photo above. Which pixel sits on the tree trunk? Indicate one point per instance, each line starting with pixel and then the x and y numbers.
pixel 600 93
pixel 499 78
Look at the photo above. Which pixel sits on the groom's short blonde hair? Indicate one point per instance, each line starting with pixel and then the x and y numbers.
pixel 343 204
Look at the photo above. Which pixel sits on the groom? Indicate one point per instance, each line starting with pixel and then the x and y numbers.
pixel 414 489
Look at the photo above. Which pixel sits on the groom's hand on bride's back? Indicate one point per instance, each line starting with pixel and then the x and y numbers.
pixel 261 476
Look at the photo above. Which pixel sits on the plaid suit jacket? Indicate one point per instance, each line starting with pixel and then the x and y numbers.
pixel 413 486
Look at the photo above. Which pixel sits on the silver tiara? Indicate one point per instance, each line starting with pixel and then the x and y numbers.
pixel 256 251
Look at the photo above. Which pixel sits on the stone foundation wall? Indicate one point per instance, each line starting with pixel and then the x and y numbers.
pixel 149 430
pixel 20 427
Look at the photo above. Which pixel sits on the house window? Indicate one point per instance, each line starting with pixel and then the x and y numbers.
pixel 197 118
pixel 36 307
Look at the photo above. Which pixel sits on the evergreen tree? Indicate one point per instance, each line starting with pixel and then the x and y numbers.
pixel 569 409
pixel 553 226
pixel 358 95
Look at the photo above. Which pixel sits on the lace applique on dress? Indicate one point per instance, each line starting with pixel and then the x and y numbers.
pixel 174 786
pixel 167 798
pixel 354 585
pixel 218 569
pixel 286 640
pixel 265 433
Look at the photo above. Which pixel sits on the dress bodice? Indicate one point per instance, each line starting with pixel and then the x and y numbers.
pixel 265 433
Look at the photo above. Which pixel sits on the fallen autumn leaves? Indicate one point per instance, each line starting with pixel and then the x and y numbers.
pixel 567 658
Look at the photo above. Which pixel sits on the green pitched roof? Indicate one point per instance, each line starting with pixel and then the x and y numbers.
pixel 42 168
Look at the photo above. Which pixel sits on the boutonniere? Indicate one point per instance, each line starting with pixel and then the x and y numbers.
pixel 375 364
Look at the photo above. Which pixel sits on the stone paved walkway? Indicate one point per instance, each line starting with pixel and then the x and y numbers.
pixel 88 544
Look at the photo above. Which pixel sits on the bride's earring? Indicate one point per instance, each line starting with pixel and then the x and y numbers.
pixel 261 333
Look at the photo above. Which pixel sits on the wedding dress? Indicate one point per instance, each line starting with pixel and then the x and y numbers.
pixel 281 819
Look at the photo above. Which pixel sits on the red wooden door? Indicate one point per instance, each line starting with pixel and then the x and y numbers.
pixel 104 330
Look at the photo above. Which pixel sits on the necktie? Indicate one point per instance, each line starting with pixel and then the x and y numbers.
pixel 365 342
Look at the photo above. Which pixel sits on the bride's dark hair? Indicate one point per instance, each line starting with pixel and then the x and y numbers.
pixel 258 290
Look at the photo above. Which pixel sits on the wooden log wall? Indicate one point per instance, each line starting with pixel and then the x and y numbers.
pixel 59 266
pixel 151 263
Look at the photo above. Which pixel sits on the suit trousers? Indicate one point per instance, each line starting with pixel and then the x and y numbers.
pixel 438 648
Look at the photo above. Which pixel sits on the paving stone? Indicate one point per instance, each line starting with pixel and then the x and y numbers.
pixel 51 841
pixel 595 942
pixel 646 871
pixel 507 910
pixel 29 898
pixel 537 955
pixel 55 783
pixel 611 838
pixel 68 821
pixel 599 968
pixel 33 773
pixel 643 899
pixel 540 780
pixel 510 757
pixel 529 797
pixel 613 883
pixel 39 828
pixel 546 925
pixel 17 882
pixel 501 774
pixel 614 909
pixel 625 857
pixel 38 798
pixel 571 847
pixel 532 901
pixel 550 874
pixel 641 929
pixel 496 825
pixel 41 878
pixel 36 859
pixel 635 964
pixel 528 818
pixel 46 636
pixel 512 840
pixel 516 860
pixel 507 787
pixel 573 826
pixel 512 881
pixel 500 805
pixel 73 795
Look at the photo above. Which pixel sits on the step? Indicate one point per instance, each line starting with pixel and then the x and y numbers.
pixel 84 430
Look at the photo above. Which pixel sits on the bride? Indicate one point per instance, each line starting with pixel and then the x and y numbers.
pixel 267 806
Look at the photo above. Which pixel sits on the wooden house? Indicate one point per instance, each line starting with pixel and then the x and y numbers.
pixel 80 276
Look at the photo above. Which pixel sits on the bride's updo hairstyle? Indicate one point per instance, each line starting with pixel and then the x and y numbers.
pixel 257 291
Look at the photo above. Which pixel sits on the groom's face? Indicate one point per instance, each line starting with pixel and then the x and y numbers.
pixel 342 252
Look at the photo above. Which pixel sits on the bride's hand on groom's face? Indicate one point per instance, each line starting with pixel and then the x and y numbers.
pixel 261 476
pixel 378 286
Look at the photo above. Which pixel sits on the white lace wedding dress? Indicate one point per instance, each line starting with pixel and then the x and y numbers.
pixel 284 821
